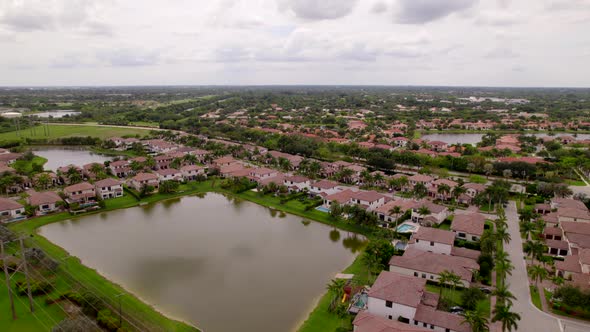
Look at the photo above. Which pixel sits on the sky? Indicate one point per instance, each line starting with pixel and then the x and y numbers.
pixel 264 42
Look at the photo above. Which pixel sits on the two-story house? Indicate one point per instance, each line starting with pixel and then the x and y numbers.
pixel 108 188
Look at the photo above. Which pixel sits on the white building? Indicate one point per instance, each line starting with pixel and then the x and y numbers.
pixel 433 240
pixel 108 188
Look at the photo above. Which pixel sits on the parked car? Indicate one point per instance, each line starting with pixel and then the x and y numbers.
pixel 485 290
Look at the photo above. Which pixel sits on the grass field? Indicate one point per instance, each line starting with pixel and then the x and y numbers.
pixel 483 306
pixel 26 166
pixel 60 131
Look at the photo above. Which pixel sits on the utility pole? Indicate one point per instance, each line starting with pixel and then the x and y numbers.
pixel 120 313
pixel 26 269
pixel 5 268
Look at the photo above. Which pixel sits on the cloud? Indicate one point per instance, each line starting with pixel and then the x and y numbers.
pixel 501 53
pixel 318 9
pixel 379 7
pixel 424 11
pixel 499 18
pixel 128 57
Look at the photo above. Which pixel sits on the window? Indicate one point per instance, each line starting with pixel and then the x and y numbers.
pixel 415 274
pixel 431 327
pixel 424 275
pixel 388 304
pixel 424 324
pixel 461 234
pixel 417 240
pixel 447 330
pixel 390 317
pixel 431 277
pixel 415 322
pixel 474 238
pixel 431 243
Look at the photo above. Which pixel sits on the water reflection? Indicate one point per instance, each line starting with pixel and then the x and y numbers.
pixel 190 257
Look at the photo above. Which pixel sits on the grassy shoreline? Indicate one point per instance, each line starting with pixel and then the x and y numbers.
pixel 94 280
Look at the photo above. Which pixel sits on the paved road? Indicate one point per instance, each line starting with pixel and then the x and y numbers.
pixel 532 319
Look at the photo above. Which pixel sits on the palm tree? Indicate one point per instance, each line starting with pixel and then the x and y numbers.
pixel 190 159
pixel 476 321
pixel 508 318
pixel 488 169
pixel 537 273
pixel 345 175
pixel 503 295
pixel 423 211
pixel 503 235
pixel 336 287
pixel 504 267
pixel 444 189
pixel 443 278
pixel 43 180
pixel 457 192
pixel 378 178
pixel 527 228
pixel 420 190
pixel 396 211
pixel 534 249
pixel 367 178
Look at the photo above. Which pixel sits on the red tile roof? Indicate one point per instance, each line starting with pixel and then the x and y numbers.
pixel 398 288
pixel 434 234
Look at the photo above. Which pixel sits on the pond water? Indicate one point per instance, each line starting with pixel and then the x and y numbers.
pixel 219 263
pixel 58 156
pixel 56 114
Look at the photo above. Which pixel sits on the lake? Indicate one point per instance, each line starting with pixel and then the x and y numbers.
pixel 56 114
pixel 221 264
pixel 58 156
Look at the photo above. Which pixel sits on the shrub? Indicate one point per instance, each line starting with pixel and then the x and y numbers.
pixel 108 320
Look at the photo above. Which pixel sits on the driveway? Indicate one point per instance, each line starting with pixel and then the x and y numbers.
pixel 532 319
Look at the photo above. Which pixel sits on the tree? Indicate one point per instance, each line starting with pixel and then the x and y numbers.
pixel 527 228
pixel 168 187
pixel 396 211
pixel 507 173
pixel 470 297
pixel 335 210
pixel 503 295
pixel 537 273
pixel 457 192
pixel 423 211
pixel 470 167
pixel 503 265
pixel 503 235
pixel 534 249
pixel 508 318
pixel 488 169
pixel 444 189
pixel 420 190
pixel 43 180
pixel 476 321
pixel 336 288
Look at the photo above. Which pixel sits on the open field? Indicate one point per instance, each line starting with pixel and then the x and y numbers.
pixel 61 131
pixel 26 166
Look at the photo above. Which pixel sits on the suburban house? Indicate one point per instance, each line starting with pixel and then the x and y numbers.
pixel 191 172
pixel 420 178
pixel 567 238
pixel 10 210
pixel 223 161
pixel 404 298
pixel 342 197
pixel 108 188
pixel 262 173
pixel 324 187
pixel 120 168
pixel 9 158
pixel 437 213
pixel 45 201
pixel 438 146
pixel 575 268
pixel 144 179
pixel 370 200
pixel 471 190
pixel 433 239
pixel 469 226
pixel 429 265
pixel 80 193
pixel 365 322
pixel 384 214
pixel 399 142
pixel 163 161
pixel 159 146
pixel 168 174
pixel 434 185
pixel 572 214
pixel 297 182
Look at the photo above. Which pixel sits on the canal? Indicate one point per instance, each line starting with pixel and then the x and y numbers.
pixel 220 263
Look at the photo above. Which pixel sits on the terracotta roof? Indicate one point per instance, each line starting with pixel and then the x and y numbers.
pixel 581 240
pixel 472 223
pixel 584 256
pixel 552 231
pixel 278 179
pixel 447 320
pixel 403 204
pixel 108 182
pixel 45 197
pixel 297 178
pixel 550 217
pixel 145 176
pixel 572 213
pixel 434 234
pixel 369 196
pixel 569 203
pixel 420 178
pixel 557 244
pixel 325 184
pixel 8 204
pixel 398 288
pixel 575 227
pixel 424 261
pixel 168 171
pixel 445 181
pixel 189 168
pixel 340 197
pixel 366 322
pixel 464 252
pixel 570 263
pixel 475 186
pixel 79 187
pixel 434 208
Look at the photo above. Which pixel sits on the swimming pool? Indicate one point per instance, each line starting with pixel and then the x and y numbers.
pixel 323 209
pixel 406 228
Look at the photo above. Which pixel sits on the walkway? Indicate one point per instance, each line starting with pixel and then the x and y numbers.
pixel 532 319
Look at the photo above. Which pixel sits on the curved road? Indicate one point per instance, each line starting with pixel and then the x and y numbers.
pixel 532 319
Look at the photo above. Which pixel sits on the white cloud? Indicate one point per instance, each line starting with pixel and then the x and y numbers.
pixel 319 10
pixel 424 11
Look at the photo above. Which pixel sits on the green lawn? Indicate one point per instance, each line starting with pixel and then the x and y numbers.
pixel 60 131
pixel 144 124
pixel 477 179
pixel 26 166
pixel 575 182
pixel 483 306
pixel 320 319
pixel 536 297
